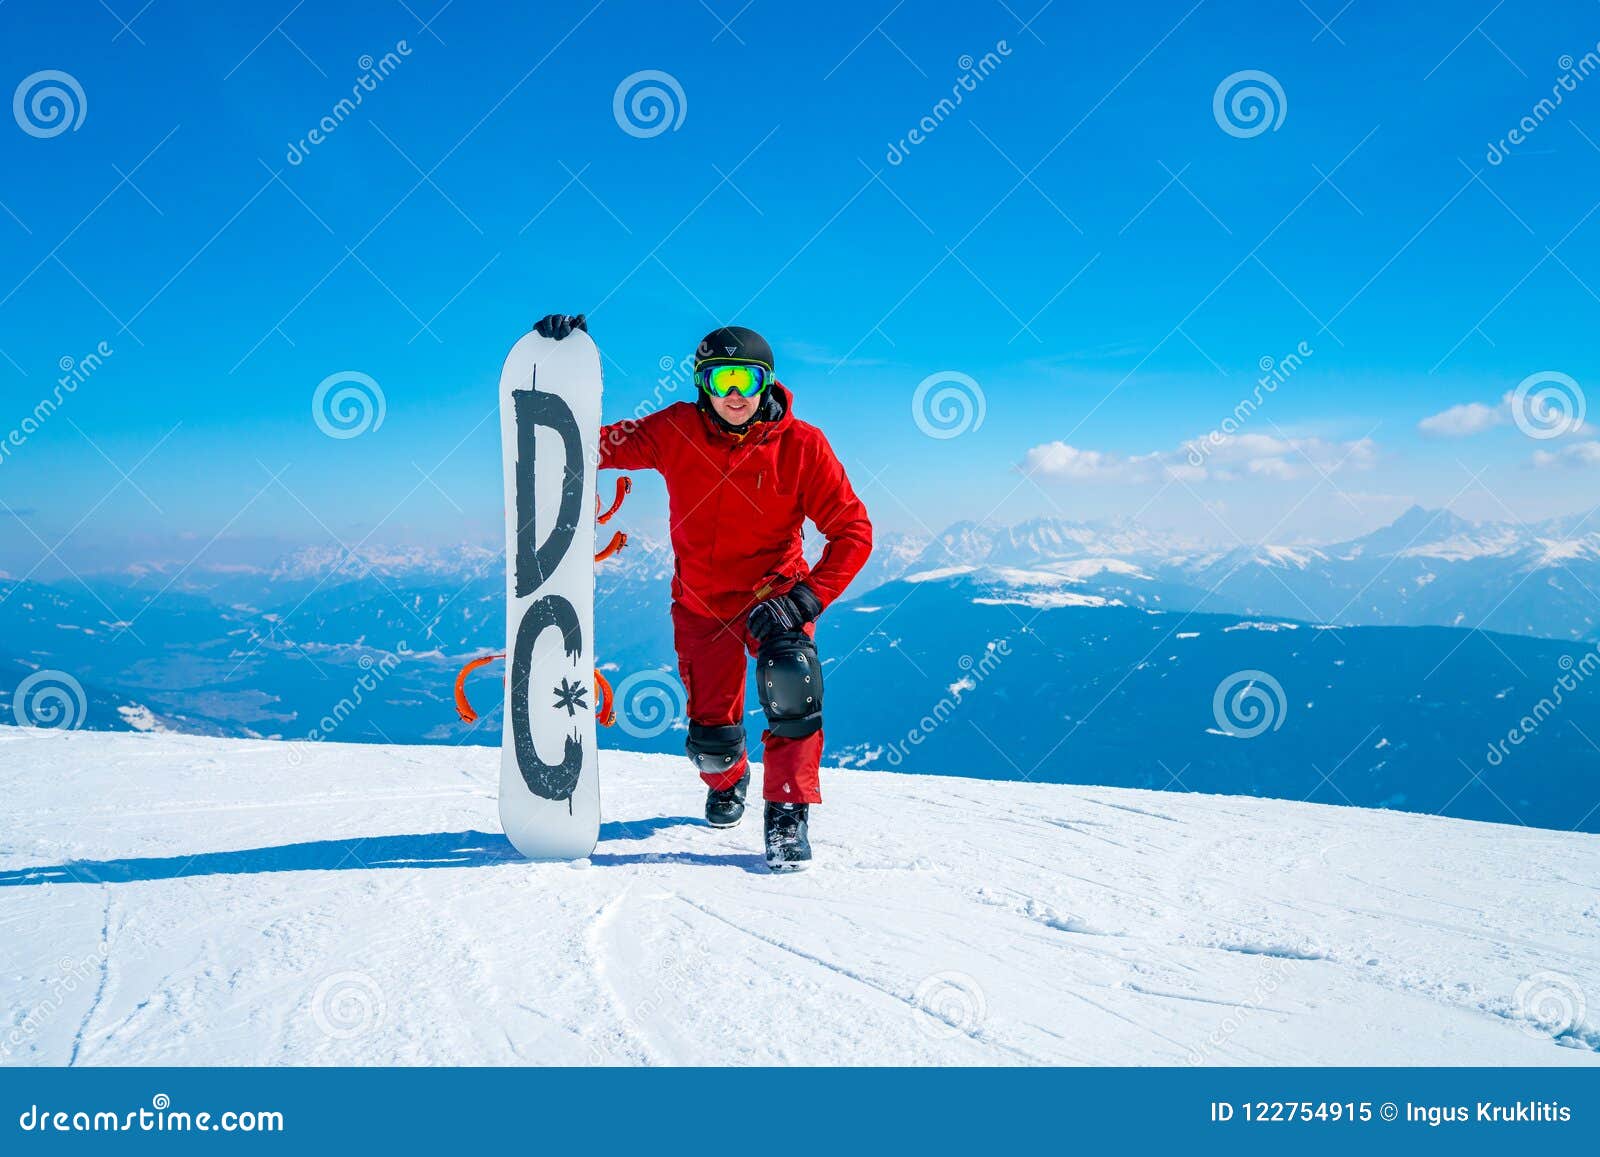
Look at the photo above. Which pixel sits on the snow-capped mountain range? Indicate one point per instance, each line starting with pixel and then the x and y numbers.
pixel 1427 568
pixel 1043 539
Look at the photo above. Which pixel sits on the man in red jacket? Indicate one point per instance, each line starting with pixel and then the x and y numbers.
pixel 743 474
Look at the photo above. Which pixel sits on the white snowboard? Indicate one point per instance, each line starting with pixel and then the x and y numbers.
pixel 549 437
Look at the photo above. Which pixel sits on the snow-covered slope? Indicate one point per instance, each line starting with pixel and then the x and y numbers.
pixel 178 900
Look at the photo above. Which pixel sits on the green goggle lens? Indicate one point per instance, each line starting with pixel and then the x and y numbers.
pixel 746 381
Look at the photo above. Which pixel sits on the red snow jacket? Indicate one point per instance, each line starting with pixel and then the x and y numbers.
pixel 737 503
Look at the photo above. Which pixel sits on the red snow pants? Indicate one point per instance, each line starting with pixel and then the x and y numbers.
pixel 712 657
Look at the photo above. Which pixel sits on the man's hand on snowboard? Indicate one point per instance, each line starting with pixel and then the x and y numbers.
pixel 560 325
pixel 784 614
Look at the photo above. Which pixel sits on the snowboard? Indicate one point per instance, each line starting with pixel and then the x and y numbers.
pixel 549 436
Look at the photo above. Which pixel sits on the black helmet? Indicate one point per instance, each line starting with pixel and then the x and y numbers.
pixel 734 343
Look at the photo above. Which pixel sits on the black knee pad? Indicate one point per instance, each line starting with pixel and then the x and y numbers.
pixel 789 680
pixel 715 749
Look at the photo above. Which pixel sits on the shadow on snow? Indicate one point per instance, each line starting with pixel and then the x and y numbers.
pixel 471 849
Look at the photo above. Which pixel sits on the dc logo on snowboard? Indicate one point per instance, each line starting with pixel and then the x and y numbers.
pixel 536 562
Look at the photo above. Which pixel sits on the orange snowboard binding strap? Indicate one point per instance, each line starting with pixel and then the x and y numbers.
pixel 618 538
pixel 463 708
pixel 604 710
pixel 624 488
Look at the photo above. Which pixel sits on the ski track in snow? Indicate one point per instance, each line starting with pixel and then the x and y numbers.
pixel 175 900
pixel 100 984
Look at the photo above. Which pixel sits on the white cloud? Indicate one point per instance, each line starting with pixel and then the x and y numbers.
pixel 1471 418
pixel 1465 420
pixel 1578 455
pixel 1059 460
pixel 1214 458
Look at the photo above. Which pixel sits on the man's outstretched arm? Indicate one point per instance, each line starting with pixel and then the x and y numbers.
pixel 831 503
pixel 633 443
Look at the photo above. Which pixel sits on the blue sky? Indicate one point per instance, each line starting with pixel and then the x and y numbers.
pixel 1080 237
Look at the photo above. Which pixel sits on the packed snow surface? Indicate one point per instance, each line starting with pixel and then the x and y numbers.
pixel 176 900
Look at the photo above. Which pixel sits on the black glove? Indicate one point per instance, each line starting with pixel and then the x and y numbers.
pixel 559 325
pixel 784 614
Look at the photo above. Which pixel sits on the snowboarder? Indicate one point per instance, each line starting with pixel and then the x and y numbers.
pixel 743 474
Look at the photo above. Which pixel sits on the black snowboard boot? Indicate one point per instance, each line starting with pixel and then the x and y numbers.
pixel 788 848
pixel 726 807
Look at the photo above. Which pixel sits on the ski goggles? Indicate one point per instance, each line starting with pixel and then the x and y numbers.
pixel 743 379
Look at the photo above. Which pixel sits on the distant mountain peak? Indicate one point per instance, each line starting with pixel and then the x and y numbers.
pixel 1437 533
pixel 1419 519
pixel 1045 538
